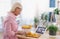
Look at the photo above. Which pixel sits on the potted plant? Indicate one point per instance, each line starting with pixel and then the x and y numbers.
pixel 42 16
pixel 36 21
pixel 46 16
pixel 57 15
pixel 56 11
pixel 52 29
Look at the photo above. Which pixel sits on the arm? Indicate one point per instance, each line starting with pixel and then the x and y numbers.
pixel 8 29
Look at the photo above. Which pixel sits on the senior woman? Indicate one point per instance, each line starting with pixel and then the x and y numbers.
pixel 10 26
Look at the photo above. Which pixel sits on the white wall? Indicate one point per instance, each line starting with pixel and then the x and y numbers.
pixel 13 1
pixel 40 5
pixel 33 8
pixel 43 6
pixel 4 7
pixel 59 4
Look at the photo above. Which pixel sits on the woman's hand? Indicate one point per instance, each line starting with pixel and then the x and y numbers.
pixel 22 37
pixel 20 33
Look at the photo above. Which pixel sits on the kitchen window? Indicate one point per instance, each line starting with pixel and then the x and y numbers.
pixel 52 3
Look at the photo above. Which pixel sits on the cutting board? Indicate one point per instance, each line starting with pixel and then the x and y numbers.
pixel 24 37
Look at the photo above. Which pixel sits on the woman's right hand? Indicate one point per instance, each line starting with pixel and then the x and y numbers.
pixel 20 33
pixel 22 37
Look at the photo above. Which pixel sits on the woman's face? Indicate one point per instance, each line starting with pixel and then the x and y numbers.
pixel 17 11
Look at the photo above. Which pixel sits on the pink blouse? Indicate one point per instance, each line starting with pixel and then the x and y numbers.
pixel 10 27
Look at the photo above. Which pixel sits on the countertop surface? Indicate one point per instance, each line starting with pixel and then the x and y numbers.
pixel 46 35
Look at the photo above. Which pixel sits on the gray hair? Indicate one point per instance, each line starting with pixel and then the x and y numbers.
pixel 15 5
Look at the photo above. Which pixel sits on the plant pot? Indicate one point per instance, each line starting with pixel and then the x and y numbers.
pixel 35 25
pixel 52 32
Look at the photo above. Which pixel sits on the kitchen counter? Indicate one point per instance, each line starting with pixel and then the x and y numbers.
pixel 46 35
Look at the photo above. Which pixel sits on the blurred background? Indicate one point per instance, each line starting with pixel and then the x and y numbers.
pixel 30 9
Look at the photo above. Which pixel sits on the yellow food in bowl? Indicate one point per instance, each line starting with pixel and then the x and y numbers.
pixel 29 34
pixel 26 27
pixel 34 35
